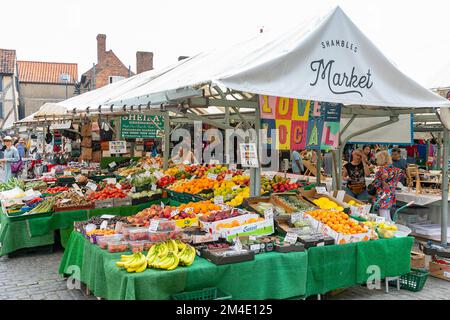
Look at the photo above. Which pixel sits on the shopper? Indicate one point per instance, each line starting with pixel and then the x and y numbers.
pixel 21 148
pixel 10 155
pixel 399 162
pixel 297 163
pixel 354 173
pixel 368 155
pixel 386 180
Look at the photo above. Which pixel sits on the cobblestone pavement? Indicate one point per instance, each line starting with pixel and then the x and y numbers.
pixel 35 276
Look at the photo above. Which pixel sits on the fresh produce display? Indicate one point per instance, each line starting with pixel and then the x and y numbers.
pixel 327 204
pixel 109 192
pixel 278 184
pixel 294 202
pixel 81 179
pixel 154 211
pixel 71 199
pixel 168 255
pixel 36 185
pixel 43 207
pixel 30 205
pixel 338 221
pixel 220 215
pixel 385 229
pixel 194 186
pixel 56 190
pixel 143 180
pixel 201 207
pixel 143 194
pixel 11 184
pixel 125 172
pixel 242 194
pixel 165 181
pixel 100 232
pixel 236 223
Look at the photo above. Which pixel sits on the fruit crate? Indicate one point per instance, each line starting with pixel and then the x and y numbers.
pixel 74 208
pixel 101 178
pixel 65 181
pixel 122 202
pixel 415 280
pixel 204 294
pixel 108 203
pixel 182 197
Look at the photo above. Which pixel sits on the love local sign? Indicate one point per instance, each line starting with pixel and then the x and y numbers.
pixel 294 124
pixel 141 126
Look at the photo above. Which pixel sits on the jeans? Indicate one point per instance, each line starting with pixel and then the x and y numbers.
pixel 363 196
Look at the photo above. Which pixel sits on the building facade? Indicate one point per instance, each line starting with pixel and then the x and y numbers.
pixel 9 96
pixel 42 82
pixel 109 68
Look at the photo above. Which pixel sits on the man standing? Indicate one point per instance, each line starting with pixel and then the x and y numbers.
pixel 21 148
pixel 297 163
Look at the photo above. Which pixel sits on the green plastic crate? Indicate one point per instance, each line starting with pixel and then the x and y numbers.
pixel 415 280
pixel 204 294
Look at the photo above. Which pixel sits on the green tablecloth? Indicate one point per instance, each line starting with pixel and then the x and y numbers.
pixel 342 266
pixel 270 276
pixel 39 231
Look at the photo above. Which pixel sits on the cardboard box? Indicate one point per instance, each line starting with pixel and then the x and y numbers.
pixel 417 260
pixel 440 271
pixel 339 238
pixel 261 228
pixel 358 211
pixel 312 195
pixel 188 222
pixel 86 154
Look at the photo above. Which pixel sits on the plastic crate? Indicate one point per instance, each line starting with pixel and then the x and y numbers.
pixel 204 294
pixel 182 197
pixel 415 280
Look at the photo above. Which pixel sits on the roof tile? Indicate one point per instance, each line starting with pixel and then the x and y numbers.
pixel 46 72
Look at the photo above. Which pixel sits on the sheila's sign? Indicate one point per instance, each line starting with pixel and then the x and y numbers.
pixel 294 124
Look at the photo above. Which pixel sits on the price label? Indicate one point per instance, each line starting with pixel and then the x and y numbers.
pixel 90 227
pixel 154 225
pixel 65 200
pixel 92 186
pixel 128 177
pixel 193 177
pixel 107 216
pixel 268 214
pixel 76 186
pixel 187 210
pixel 104 225
pixel 146 166
pixel 147 174
pixel 320 244
pixel 67 172
pixel 255 247
pixel 212 176
pixel 237 244
pixel 158 174
pixel 112 165
pixel 118 186
pixel 340 195
pixel 153 188
pixel 133 189
pixel 214 161
pixel 290 238
pixel 85 172
pixel 232 167
pixel 228 177
pixel 111 180
pixel 118 226
pixel 234 188
pixel 296 216
pixel 380 219
pixel 252 238
pixel 78 192
pixel 218 200
pixel 321 190
pixel 162 205
pixel 174 213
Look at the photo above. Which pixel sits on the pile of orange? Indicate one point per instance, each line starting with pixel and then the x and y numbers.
pixel 193 186
pixel 236 223
pixel 203 207
pixel 338 221
pixel 101 232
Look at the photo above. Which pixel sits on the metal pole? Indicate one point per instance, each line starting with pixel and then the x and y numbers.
pixel 318 165
pixel 444 214
pixel 255 173
pixel 166 151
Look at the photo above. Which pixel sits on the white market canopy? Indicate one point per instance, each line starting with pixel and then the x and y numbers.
pixel 331 60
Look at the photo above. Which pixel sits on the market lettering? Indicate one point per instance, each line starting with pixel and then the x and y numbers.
pixel 336 80
pixel 339 43
pixel 141 117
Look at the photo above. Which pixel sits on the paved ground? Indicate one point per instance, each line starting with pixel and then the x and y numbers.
pixel 35 276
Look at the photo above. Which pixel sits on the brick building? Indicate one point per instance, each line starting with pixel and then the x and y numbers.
pixel 42 82
pixel 109 68
pixel 9 95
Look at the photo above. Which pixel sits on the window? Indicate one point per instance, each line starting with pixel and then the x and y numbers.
pixel 113 79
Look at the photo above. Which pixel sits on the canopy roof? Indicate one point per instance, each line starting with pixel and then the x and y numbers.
pixel 330 60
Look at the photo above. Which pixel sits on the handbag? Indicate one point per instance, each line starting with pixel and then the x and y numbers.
pixel 17 166
pixel 371 189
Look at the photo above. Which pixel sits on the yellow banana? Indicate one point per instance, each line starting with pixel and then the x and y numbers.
pixel 138 262
pixel 175 262
pixel 163 250
pixel 142 268
pixel 181 245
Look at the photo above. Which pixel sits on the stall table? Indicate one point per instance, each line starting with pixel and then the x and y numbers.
pixel 35 231
pixel 270 276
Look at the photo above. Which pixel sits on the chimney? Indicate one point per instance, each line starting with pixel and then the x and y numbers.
pixel 182 58
pixel 101 47
pixel 144 61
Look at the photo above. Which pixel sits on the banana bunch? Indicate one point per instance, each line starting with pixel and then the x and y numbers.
pixel 168 255
pixel 137 262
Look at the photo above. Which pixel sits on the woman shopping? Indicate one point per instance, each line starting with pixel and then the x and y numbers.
pixel 10 155
pixel 354 173
pixel 386 180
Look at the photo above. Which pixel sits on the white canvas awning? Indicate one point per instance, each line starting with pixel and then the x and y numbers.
pixel 330 61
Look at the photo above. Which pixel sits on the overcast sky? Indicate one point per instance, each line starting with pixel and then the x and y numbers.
pixel 414 34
